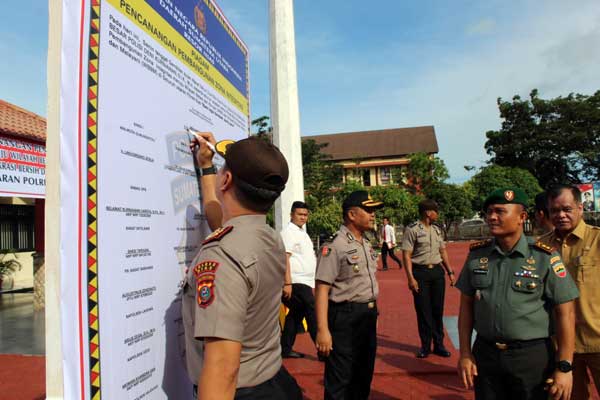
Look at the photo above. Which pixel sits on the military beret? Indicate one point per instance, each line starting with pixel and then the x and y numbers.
pixel 362 199
pixel 506 196
pixel 258 166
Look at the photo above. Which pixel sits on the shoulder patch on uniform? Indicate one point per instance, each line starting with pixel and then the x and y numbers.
pixel 543 247
pixel 218 234
pixel 325 251
pixel 559 270
pixel 480 244
pixel 205 274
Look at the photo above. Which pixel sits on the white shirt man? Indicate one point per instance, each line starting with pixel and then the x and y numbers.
pixel 302 265
pixel 388 242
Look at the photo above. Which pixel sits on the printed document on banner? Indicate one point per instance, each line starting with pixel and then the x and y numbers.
pixel 146 69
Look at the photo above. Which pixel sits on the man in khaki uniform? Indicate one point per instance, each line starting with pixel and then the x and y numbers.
pixel 346 294
pixel 232 293
pixel 579 246
pixel 425 259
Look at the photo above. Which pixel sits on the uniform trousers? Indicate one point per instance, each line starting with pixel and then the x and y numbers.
pixel 282 386
pixel 349 367
pixel 518 373
pixel 384 253
pixel 581 379
pixel 429 305
pixel 301 305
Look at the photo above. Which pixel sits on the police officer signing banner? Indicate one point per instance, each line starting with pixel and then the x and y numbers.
pixel 510 287
pixel 346 305
pixel 232 293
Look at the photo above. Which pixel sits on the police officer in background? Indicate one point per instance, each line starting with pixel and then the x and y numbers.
pixel 509 286
pixel 425 259
pixel 346 307
pixel 232 293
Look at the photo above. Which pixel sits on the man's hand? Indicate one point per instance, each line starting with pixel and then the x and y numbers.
pixel 561 385
pixel 451 278
pixel 287 292
pixel 203 154
pixel 324 342
pixel 413 285
pixel 467 370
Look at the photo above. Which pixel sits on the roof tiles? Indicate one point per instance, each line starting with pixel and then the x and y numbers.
pixel 18 122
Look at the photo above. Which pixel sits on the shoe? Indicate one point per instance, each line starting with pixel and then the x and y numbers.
pixel 293 354
pixel 422 353
pixel 384 268
pixel 442 352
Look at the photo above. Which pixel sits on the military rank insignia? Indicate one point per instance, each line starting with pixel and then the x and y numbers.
pixel 544 247
pixel 205 273
pixel 325 251
pixel 218 234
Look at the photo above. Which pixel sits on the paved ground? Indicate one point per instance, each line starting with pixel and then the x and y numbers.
pixel 398 374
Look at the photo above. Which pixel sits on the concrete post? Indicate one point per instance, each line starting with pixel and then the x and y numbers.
pixel 285 116
pixel 54 356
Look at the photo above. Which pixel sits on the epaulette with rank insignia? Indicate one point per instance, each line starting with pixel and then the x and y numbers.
pixel 413 224
pixel 480 244
pixel 543 247
pixel 218 234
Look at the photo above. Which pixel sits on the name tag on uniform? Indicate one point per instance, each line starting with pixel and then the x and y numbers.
pixel 480 271
pixel 352 251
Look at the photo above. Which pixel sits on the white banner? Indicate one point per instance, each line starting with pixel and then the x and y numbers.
pixel 134 73
pixel 22 168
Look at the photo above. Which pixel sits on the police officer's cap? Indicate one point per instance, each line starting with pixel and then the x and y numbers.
pixel 362 199
pixel 257 165
pixel 506 196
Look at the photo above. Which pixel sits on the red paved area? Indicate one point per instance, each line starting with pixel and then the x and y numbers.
pixel 398 374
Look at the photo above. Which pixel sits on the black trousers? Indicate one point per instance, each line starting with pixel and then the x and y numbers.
pixel 429 305
pixel 349 367
pixel 384 253
pixel 516 373
pixel 282 386
pixel 301 305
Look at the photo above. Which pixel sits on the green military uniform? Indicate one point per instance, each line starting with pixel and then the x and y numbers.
pixel 514 293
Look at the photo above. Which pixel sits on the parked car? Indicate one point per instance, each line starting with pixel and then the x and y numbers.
pixel 473 228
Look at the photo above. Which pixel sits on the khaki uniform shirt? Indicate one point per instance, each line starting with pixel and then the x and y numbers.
pixel 349 266
pixel 580 251
pixel 425 243
pixel 233 292
pixel 514 292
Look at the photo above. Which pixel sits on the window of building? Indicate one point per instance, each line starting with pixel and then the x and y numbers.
pixel 385 175
pixel 366 174
pixel 17 226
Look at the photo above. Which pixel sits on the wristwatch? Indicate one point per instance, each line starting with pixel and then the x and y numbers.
pixel 564 366
pixel 209 171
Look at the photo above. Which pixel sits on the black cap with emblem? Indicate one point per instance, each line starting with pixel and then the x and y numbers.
pixel 258 166
pixel 362 199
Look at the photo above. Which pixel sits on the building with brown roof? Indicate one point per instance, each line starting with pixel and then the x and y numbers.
pixel 22 190
pixel 372 157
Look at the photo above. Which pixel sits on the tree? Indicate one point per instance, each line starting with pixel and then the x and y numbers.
pixel 262 125
pixel 454 202
pixel 400 206
pixel 321 175
pixel 557 140
pixel 494 177
pixel 424 171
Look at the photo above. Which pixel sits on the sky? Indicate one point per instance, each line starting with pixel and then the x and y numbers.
pixel 399 64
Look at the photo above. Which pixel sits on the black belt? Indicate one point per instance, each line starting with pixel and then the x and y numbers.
pixel 426 266
pixel 511 344
pixel 351 305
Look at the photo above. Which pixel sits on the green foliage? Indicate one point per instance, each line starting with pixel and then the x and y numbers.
pixel 262 125
pixel 400 205
pixel 326 218
pixel 454 201
pixel 494 177
pixel 557 140
pixel 424 171
pixel 321 175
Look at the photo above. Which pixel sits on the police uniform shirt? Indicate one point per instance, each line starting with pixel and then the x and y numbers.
pixel 424 243
pixel 349 266
pixel 303 262
pixel 233 292
pixel 580 251
pixel 514 292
